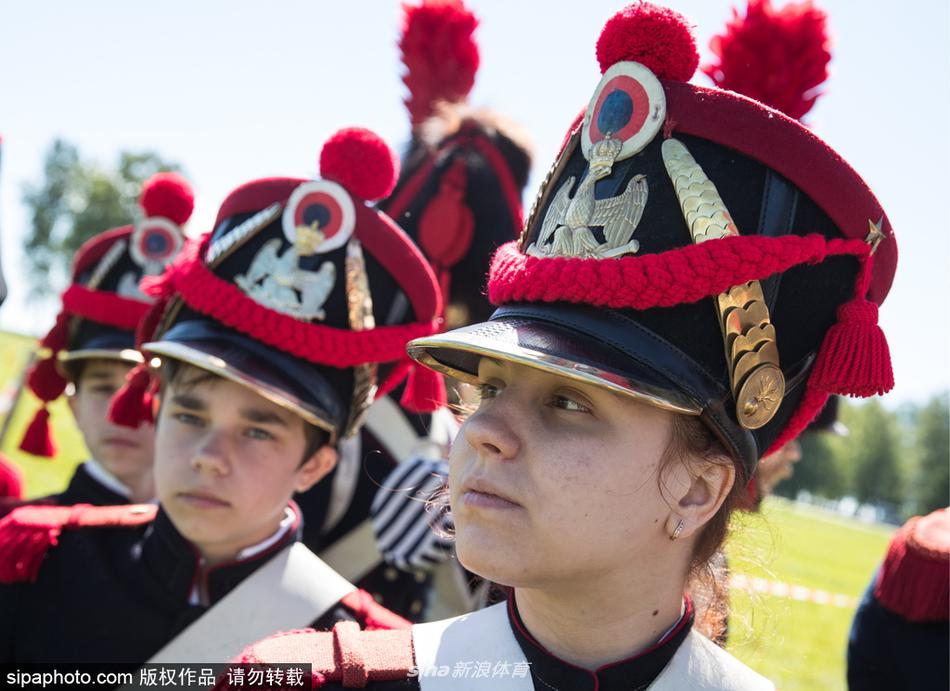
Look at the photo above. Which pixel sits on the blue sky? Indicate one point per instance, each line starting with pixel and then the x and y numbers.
pixel 238 90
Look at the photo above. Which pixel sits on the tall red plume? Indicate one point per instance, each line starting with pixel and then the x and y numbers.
pixel 778 57
pixel 440 55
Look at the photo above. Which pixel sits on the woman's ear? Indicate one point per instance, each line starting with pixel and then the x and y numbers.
pixel 315 468
pixel 699 498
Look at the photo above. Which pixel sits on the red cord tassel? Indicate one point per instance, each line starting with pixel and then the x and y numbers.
pixel 424 392
pixel 56 337
pixel 854 359
pixel 45 380
pixel 38 439
pixel 447 225
pixel 131 405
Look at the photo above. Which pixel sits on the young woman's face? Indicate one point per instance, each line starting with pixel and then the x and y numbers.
pixel 554 481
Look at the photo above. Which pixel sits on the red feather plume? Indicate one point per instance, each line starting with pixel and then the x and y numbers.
pixel 440 55
pixel 778 57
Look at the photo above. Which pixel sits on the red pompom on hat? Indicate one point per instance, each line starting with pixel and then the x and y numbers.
pixel 360 161
pixel 168 195
pixel 658 38
pixel 777 57
pixel 440 55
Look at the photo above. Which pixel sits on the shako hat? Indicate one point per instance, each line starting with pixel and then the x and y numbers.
pixel 694 249
pixel 103 303
pixel 290 294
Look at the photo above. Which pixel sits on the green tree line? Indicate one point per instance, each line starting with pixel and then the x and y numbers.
pixel 75 200
pixel 898 459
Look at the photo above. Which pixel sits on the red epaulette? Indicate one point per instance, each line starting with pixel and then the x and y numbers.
pixel 345 654
pixel 8 504
pixel 28 532
pixel 372 614
pixel 914 580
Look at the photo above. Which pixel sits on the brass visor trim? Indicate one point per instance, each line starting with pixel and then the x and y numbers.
pixel 420 350
pixel 216 365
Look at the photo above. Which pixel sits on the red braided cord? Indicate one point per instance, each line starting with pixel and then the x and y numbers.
pixel 396 205
pixel 657 280
pixel 862 285
pixel 223 301
pixel 104 307
pixel 666 279
pixel 809 407
pixel 398 374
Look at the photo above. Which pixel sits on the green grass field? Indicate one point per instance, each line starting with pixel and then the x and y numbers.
pixel 42 475
pixel 799 645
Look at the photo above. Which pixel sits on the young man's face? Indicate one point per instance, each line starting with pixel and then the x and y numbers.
pixel 124 452
pixel 227 462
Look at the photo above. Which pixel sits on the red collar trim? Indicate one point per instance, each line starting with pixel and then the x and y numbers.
pixel 290 536
pixel 685 620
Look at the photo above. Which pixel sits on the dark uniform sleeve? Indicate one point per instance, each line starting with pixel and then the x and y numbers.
pixel 886 652
pixel 867 646
pixel 10 597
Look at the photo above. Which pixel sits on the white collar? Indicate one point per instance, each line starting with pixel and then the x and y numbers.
pixel 666 634
pixel 285 525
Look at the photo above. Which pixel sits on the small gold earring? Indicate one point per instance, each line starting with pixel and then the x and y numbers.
pixel 678 529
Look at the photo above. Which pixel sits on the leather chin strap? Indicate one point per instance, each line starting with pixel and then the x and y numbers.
pixel 779 204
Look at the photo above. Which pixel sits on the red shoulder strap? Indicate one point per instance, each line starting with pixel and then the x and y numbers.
pixel 345 654
pixel 372 615
pixel 27 533
pixel 10 504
